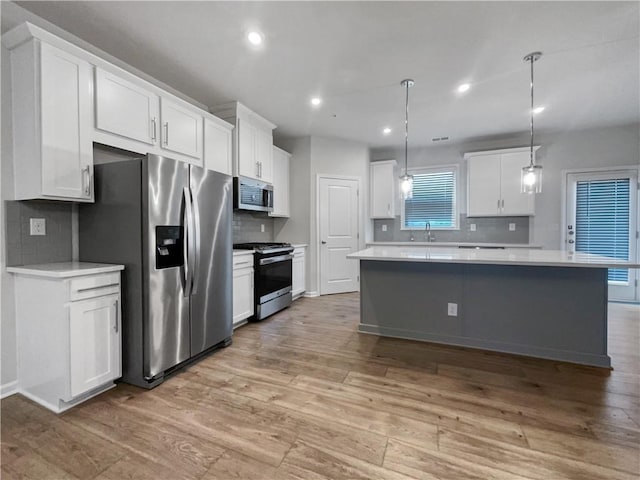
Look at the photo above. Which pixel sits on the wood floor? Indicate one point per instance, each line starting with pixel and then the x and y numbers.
pixel 303 395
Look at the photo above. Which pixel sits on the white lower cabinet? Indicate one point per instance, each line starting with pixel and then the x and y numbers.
pixel 299 272
pixel 69 335
pixel 243 305
pixel 94 343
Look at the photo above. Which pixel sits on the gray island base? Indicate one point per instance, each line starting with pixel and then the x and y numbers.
pixel 552 312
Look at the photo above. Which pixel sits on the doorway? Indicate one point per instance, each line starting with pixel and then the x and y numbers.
pixel 602 219
pixel 338 220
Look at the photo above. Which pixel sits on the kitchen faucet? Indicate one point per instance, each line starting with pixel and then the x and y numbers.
pixel 428 236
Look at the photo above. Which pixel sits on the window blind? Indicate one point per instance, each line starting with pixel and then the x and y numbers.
pixel 602 221
pixel 434 201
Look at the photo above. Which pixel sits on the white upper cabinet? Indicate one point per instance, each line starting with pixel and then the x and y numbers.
pixel 52 113
pixel 382 187
pixel 218 153
pixel 125 108
pixel 252 141
pixel 281 202
pixel 493 183
pixel 181 130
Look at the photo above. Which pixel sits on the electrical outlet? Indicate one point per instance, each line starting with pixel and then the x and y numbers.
pixel 472 227
pixel 37 226
pixel 384 228
pixel 262 227
pixel 512 227
pixel 452 309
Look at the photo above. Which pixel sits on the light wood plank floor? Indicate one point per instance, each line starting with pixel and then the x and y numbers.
pixel 303 395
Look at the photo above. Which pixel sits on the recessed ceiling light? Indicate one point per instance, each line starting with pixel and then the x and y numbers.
pixel 538 110
pixel 315 101
pixel 386 130
pixel 255 38
pixel 464 87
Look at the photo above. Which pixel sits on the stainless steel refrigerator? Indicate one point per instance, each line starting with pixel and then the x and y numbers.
pixel 169 223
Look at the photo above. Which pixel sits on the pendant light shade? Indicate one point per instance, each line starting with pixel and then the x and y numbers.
pixel 531 176
pixel 406 180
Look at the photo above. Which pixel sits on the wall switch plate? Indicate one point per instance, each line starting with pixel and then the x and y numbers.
pixel 472 227
pixel 512 227
pixel 37 226
pixel 452 309
pixel 262 227
pixel 384 228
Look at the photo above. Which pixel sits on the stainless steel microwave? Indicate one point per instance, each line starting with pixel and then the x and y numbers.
pixel 250 194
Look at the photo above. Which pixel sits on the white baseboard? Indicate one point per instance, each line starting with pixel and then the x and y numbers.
pixel 311 294
pixel 8 389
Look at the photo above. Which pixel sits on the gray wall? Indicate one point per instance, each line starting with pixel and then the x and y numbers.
pixel 605 147
pixel 247 227
pixel 311 157
pixel 23 248
pixel 488 230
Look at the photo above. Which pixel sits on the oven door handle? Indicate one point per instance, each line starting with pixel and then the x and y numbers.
pixel 279 258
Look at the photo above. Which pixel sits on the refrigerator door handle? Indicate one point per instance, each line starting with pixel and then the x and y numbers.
pixel 195 221
pixel 186 242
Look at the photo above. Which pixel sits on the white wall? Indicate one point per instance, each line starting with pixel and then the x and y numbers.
pixel 313 156
pixel 8 370
pixel 604 147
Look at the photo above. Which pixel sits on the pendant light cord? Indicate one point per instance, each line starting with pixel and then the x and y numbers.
pixel 406 130
pixel 531 150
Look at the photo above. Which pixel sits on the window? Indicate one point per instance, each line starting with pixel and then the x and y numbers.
pixel 602 221
pixel 434 199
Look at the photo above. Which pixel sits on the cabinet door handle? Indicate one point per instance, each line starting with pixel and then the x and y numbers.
pixel 154 137
pixel 86 180
pixel 503 204
pixel 116 327
pixel 166 133
pixel 258 169
pixel 388 209
pixel 498 205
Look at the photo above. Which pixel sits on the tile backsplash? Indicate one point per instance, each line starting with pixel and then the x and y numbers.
pixel 247 227
pixel 26 249
pixel 488 230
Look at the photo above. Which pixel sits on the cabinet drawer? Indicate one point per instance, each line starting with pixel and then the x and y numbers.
pixel 242 261
pixel 94 286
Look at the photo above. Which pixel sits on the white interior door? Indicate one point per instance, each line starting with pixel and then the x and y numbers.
pixel 338 213
pixel 602 218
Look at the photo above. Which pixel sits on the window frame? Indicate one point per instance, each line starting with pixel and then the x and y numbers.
pixel 455 168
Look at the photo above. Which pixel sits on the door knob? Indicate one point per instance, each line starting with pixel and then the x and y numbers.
pixel 323 242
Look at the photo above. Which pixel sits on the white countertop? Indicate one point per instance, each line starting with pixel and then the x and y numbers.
pixel 515 256
pixel 64 269
pixel 242 252
pixel 455 244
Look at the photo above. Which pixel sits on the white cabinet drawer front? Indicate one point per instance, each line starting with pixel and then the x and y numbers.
pixel 94 342
pixel 243 261
pixel 94 286
pixel 126 109
pixel 181 129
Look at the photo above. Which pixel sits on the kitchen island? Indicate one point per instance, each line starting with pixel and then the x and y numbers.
pixel 539 303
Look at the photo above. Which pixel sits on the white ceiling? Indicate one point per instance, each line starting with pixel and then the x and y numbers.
pixel 354 54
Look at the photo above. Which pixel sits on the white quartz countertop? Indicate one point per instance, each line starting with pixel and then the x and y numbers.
pixel 64 269
pixel 508 256
pixel 242 252
pixel 455 244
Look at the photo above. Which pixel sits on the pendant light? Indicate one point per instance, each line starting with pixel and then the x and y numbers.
pixel 406 180
pixel 531 177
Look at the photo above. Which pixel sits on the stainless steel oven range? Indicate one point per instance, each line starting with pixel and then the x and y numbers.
pixel 272 265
